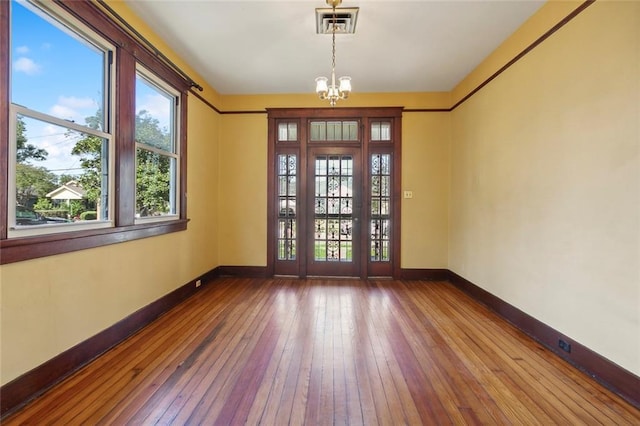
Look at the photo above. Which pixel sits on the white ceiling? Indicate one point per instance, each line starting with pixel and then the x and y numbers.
pixel 271 46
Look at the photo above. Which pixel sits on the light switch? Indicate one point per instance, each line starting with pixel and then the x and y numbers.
pixel 408 194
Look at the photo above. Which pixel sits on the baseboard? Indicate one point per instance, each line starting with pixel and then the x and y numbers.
pixel 242 271
pixel 609 374
pixel 425 274
pixel 34 383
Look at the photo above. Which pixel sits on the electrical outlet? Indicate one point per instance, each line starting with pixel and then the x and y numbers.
pixel 408 194
pixel 198 283
pixel 565 346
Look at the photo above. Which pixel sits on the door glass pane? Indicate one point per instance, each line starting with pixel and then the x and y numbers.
pixel 287 219
pixel 380 193
pixel 333 222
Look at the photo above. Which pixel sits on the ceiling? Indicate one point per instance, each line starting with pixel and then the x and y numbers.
pixel 271 46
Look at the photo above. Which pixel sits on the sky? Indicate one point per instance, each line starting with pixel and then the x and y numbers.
pixel 60 74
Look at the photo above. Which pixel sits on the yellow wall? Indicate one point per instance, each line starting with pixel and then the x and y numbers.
pixel 545 200
pixel 243 190
pixel 426 146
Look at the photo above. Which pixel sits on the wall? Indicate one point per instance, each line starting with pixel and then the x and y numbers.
pixel 425 171
pixel 426 147
pixel 545 185
pixel 243 190
pixel 50 304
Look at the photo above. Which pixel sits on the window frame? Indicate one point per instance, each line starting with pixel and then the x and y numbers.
pixel 129 54
pixel 175 153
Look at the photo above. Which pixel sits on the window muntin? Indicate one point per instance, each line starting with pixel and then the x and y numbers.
pixel 58 133
pixel 157 156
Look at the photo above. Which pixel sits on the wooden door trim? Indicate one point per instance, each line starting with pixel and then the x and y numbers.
pixel 365 115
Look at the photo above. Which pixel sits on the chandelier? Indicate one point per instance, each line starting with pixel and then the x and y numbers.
pixel 333 92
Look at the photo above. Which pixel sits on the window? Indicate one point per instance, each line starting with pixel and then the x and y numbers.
pixel 157 156
pixel 58 116
pixel 92 132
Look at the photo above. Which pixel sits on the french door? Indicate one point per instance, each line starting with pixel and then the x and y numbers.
pixel 334 192
pixel 334 203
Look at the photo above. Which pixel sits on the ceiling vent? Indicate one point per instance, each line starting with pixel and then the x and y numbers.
pixel 345 20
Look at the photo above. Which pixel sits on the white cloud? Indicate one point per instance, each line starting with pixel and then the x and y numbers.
pixel 23 50
pixel 58 142
pixel 158 107
pixel 26 65
pixel 63 112
pixel 77 103
pixel 73 108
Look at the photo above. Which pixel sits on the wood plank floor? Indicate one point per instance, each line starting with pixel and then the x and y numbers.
pixel 328 352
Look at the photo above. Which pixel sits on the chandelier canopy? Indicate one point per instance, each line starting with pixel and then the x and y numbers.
pixel 333 92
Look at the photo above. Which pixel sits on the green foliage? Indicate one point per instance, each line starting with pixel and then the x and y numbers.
pixel 152 169
pixel 26 151
pixel 152 183
pixel 89 149
pixel 89 215
pixel 76 207
pixel 148 132
pixel 43 204
pixel 32 183
pixel 64 178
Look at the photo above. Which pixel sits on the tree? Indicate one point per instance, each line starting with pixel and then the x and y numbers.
pixel 152 170
pixel 32 183
pixel 152 183
pixel 26 151
pixel 89 148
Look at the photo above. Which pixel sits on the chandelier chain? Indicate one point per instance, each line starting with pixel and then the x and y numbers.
pixel 333 40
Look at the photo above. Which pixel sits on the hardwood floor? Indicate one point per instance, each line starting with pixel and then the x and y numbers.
pixel 285 351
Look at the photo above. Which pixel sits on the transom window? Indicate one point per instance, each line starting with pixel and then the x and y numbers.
pixel 334 130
